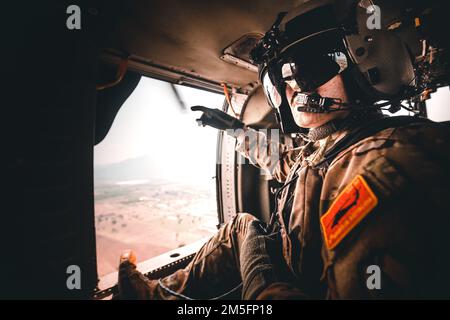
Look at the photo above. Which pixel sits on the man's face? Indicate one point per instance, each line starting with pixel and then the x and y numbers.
pixel 333 89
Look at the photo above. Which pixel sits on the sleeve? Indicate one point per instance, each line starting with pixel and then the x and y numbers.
pixel 132 284
pixel 268 154
pixel 399 249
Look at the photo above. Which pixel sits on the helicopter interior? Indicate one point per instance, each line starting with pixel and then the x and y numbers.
pixel 69 86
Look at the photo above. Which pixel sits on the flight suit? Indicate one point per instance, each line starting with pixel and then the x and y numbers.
pixel 370 224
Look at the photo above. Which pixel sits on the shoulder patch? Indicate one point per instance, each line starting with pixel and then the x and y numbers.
pixel 349 208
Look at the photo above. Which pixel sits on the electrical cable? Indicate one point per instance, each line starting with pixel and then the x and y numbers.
pixel 184 297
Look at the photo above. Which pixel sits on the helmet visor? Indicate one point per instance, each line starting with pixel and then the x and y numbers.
pixel 307 74
pixel 303 75
pixel 271 91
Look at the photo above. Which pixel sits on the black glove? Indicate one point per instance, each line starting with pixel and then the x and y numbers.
pixel 217 119
pixel 258 258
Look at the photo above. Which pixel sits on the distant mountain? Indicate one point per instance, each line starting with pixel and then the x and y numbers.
pixel 130 169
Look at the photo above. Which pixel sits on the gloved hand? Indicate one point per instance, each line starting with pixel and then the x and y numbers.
pixel 131 283
pixel 258 266
pixel 217 119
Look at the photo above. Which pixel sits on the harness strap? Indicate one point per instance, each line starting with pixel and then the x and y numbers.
pixel 370 128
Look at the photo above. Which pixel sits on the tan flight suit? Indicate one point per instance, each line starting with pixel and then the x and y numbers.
pixel 385 206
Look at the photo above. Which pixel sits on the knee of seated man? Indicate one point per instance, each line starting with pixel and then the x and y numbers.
pixel 241 221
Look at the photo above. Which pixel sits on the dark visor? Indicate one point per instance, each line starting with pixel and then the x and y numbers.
pixel 303 74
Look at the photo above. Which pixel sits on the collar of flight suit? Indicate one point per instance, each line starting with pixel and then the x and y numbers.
pixel 337 130
pixel 323 145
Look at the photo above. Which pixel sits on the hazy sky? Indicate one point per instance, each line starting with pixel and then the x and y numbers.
pixel 438 107
pixel 151 123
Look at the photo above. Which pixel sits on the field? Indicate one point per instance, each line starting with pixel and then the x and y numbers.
pixel 150 218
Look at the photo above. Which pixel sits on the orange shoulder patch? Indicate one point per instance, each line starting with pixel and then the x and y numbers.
pixel 350 207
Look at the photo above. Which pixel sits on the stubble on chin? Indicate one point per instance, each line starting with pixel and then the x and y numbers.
pixel 309 119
